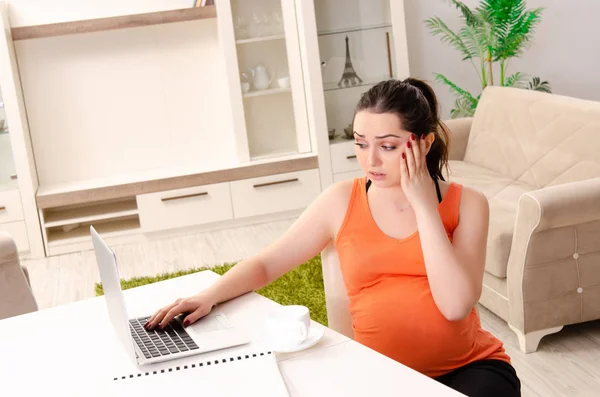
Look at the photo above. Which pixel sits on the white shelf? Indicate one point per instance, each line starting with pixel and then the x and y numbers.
pixel 9 184
pixel 365 83
pixel 339 139
pixel 97 212
pixel 274 154
pixel 261 38
pixel 269 91
pixel 112 23
pixel 115 228
pixel 354 29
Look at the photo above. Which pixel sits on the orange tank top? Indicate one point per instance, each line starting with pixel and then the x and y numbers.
pixel 392 308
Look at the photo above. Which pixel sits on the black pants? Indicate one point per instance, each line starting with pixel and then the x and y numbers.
pixel 489 378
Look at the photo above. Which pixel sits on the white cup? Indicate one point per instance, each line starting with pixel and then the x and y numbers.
pixel 245 87
pixel 288 326
pixel 283 82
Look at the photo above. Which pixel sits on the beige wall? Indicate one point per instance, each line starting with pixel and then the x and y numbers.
pixel 564 51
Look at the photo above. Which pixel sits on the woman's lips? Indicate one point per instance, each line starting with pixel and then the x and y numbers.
pixel 376 175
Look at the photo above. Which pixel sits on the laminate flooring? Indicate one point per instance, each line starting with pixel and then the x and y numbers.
pixel 566 363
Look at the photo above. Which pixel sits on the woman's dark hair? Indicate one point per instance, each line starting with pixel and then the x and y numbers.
pixel 415 103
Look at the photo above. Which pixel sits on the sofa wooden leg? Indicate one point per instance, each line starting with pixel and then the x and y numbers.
pixel 529 342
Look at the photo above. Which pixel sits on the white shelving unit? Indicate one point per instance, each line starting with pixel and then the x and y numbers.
pixel 178 123
pixel 55 217
pixel 109 228
pixel 375 35
pixel 270 91
pixel 274 120
pixel 261 39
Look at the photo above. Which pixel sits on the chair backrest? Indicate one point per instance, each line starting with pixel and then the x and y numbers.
pixel 536 138
pixel 16 297
pixel 336 297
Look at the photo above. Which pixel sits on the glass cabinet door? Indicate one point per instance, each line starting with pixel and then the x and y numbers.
pixel 356 51
pixel 8 175
pixel 270 71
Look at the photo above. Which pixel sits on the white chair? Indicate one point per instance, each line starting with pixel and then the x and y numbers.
pixel 336 298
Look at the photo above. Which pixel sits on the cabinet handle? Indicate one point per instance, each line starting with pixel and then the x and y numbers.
pixel 182 197
pixel 13 176
pixel 276 183
pixel 2 208
pixel 353 156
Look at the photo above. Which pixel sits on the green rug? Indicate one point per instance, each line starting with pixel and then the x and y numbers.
pixel 301 286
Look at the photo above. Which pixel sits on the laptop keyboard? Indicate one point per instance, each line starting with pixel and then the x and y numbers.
pixel 160 342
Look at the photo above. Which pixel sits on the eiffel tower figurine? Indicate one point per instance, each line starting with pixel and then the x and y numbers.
pixel 349 77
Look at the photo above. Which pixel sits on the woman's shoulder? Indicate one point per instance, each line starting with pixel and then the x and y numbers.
pixel 337 198
pixel 472 201
pixel 340 192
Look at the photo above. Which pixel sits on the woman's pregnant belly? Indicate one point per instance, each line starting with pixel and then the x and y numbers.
pixel 398 317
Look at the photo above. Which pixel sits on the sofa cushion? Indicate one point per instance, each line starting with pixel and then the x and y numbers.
pixel 503 196
pixel 536 138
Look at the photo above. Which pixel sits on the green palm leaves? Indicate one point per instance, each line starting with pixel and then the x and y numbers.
pixel 491 34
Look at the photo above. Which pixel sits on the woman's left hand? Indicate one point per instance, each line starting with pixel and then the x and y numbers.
pixel 416 182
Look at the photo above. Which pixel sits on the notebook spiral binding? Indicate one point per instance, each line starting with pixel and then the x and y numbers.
pixel 189 366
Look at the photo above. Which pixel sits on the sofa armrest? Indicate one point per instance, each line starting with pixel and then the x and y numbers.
pixel 563 205
pixel 15 293
pixel 459 136
pixel 543 279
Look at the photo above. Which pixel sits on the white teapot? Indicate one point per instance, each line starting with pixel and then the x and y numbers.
pixel 261 76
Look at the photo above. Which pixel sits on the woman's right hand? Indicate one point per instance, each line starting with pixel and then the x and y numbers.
pixel 197 306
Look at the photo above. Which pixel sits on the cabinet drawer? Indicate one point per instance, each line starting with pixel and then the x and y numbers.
pixel 10 206
pixel 347 175
pixel 18 232
pixel 275 193
pixel 343 157
pixel 184 207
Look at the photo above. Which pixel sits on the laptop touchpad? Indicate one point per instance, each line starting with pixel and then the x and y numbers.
pixel 209 323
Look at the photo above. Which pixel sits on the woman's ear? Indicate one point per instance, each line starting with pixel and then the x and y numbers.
pixel 429 139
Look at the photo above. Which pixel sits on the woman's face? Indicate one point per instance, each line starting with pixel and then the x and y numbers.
pixel 380 142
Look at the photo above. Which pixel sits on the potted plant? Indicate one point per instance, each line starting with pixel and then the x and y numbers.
pixel 491 35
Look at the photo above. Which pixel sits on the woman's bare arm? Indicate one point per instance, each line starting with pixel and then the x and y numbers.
pixel 306 238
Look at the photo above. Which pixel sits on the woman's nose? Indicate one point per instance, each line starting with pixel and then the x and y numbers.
pixel 373 158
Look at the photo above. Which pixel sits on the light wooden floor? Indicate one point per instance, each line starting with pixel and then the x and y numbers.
pixel 566 364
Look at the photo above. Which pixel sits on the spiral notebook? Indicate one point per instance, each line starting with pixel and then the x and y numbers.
pixel 244 375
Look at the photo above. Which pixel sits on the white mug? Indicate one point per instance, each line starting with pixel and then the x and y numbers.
pixel 288 326
pixel 283 82
pixel 245 87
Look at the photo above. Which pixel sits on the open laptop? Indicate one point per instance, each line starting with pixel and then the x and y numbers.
pixel 212 332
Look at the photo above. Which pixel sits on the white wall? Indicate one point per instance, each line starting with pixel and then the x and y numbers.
pixel 564 51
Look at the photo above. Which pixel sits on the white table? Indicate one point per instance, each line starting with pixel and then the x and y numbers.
pixel 73 346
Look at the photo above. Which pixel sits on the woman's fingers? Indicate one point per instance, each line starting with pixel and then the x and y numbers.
pixel 159 315
pixel 404 167
pixel 191 318
pixel 410 157
pixel 175 311
pixel 415 144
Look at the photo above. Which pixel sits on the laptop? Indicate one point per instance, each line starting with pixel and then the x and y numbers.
pixel 210 333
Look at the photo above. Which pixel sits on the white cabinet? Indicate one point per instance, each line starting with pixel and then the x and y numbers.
pixel 343 157
pixel 343 176
pixel 245 88
pixel 11 218
pixel 275 193
pixel 344 164
pixel 263 61
pixel 18 232
pixel 184 207
pixel 10 206
pixel 360 43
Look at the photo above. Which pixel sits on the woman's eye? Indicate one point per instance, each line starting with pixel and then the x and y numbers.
pixel 389 147
pixel 361 145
